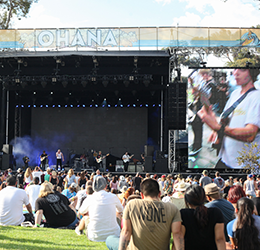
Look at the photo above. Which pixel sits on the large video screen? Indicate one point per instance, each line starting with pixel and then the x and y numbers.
pixel 221 119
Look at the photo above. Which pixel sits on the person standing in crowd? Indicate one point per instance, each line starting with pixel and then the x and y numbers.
pixel 242 120
pixel 59 158
pixel 44 160
pixel 140 231
pixel 20 177
pixel 215 200
pixel 136 182
pixel 219 182
pixel 250 186
pixel 12 200
pixel 205 179
pixel 244 231
pixel 203 227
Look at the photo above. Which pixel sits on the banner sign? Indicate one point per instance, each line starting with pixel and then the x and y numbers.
pixel 156 38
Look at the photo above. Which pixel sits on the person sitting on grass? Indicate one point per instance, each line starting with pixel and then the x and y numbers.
pixel 12 200
pixel 55 207
pixel 100 212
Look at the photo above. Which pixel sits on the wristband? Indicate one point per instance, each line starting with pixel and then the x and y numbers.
pixel 38 225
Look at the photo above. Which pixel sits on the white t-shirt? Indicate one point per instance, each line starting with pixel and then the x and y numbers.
pixel 102 207
pixel 37 174
pixel 247 112
pixel 11 206
pixel 33 192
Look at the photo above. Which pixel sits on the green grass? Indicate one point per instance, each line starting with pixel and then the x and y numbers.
pixel 12 237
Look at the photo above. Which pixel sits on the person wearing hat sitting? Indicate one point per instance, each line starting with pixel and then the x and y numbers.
pixel 100 212
pixel 212 192
pixel 205 179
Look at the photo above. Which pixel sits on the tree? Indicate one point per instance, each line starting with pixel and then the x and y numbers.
pixel 249 158
pixel 11 8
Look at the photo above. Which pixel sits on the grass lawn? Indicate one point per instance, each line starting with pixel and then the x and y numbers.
pixel 12 237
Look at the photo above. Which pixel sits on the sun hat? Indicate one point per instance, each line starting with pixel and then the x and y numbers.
pixel 211 188
pixel 181 186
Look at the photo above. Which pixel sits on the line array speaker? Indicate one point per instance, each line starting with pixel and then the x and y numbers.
pixel 177 105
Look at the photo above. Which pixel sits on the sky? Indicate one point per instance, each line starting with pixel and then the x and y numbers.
pixel 140 13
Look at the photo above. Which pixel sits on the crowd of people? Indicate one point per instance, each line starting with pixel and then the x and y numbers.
pixel 139 212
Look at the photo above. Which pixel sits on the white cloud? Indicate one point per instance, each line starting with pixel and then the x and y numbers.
pixel 233 13
pixel 164 1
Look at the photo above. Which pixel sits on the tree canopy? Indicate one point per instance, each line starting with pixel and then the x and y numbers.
pixel 12 8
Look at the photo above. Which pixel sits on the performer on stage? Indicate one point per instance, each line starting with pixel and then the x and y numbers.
pixel 44 160
pixel 60 159
pixel 126 159
pixel 99 158
pixel 26 162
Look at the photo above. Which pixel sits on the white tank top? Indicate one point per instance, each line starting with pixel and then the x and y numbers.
pixel 58 155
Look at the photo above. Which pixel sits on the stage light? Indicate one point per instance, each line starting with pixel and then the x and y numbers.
pixel 41 106
pixel 53 106
pixel 34 93
pixel 46 106
pixel 115 105
pixel 17 106
pixel 128 105
pixel 141 105
pixel 96 105
pixel 29 106
pixel 59 106
pixel 131 78
pixel 51 93
pixel 71 106
pixel 22 106
pixel 109 105
pixel 83 106
pixel 121 105
pixel 153 105
pixel 34 106
pixel 159 105
pixel 78 106
pixel 17 80
pixel 90 105
pixel 134 105
pixel 146 105
pixel 66 106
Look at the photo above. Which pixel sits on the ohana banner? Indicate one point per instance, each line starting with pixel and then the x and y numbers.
pixel 152 38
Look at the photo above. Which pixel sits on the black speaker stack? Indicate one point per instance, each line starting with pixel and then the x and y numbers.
pixel 7 157
pixel 177 105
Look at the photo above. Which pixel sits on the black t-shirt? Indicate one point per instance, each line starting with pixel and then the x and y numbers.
pixel 200 238
pixel 20 177
pixel 136 182
pixel 56 210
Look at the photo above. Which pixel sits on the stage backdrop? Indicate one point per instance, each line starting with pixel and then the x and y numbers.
pixel 112 130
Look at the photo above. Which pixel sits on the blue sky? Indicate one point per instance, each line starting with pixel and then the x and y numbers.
pixel 140 13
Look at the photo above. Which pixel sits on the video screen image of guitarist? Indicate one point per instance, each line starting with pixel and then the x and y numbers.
pixel 223 115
